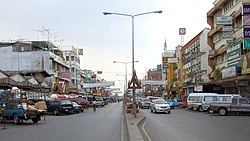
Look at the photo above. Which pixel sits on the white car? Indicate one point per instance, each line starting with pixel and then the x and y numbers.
pixel 160 105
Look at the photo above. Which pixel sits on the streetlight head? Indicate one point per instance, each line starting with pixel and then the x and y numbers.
pixel 158 12
pixel 114 62
pixel 106 13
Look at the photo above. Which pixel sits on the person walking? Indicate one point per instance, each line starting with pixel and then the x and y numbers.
pixel 94 103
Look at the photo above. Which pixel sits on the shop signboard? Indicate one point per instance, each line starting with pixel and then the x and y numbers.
pixel 224 20
pixel 246 43
pixel 164 59
pixel 246 20
pixel 246 9
pixel 234 54
pixel 246 31
pixel 172 60
pixel 246 1
pixel 65 74
pixel 227 28
pixel 246 63
pixel 229 72
pixel 168 53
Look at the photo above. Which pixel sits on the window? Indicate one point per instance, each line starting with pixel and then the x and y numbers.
pixel 67 58
pixel 72 58
pixel 217 37
pixel 224 98
pixel 243 101
pixel 234 101
pixel 228 6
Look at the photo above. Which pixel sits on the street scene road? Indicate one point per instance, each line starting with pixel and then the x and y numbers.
pixel 187 125
pixel 102 125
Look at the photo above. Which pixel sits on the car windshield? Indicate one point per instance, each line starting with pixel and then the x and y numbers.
pixel 65 102
pixel 160 102
pixel 146 100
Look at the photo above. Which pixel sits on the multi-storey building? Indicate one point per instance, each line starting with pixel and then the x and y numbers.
pixel 226 39
pixel 195 64
pixel 73 59
pixel 35 58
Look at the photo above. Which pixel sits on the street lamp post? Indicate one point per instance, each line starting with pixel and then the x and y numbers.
pixel 126 80
pixel 133 70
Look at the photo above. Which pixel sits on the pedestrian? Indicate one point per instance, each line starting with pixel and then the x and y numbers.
pixel 94 103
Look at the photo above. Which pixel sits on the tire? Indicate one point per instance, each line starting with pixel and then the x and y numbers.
pixel 55 112
pixel 223 111
pixel 151 111
pixel 35 120
pixel 210 111
pixel 181 106
pixel 200 109
pixel 169 112
pixel 155 111
pixel 16 119
pixel 1 119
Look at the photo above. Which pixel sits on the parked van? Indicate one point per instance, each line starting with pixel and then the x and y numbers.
pixel 195 100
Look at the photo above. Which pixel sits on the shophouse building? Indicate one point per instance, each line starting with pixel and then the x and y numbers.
pixel 195 64
pixel 75 73
pixel 228 39
pixel 39 59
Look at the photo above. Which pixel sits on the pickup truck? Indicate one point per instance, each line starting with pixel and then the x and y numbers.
pixel 236 105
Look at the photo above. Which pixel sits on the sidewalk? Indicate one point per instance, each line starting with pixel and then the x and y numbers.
pixel 132 124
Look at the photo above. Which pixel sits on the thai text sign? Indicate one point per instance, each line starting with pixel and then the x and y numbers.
pixel 246 32
pixel 168 53
pixel 246 9
pixel 246 44
pixel 234 54
pixel 225 20
pixel 229 72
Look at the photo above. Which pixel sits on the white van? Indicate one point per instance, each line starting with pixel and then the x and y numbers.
pixel 195 100
pixel 207 100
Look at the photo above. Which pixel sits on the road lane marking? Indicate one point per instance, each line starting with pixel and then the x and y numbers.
pixel 143 128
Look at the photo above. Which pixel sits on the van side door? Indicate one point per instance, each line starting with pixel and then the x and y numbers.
pixel 235 105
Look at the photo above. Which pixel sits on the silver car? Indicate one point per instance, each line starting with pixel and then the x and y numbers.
pixel 160 105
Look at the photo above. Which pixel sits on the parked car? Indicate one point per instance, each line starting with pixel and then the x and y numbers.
pixel 178 103
pixel 170 102
pixel 145 102
pixel 58 106
pixel 82 102
pixel 100 102
pixel 160 105
pixel 76 107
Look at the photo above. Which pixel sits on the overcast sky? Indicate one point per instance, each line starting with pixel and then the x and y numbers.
pixel 105 39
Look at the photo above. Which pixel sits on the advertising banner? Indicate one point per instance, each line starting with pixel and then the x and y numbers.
pixel 246 32
pixel 168 53
pixel 246 63
pixel 246 20
pixel 246 43
pixel 246 9
pixel 172 60
pixel 229 72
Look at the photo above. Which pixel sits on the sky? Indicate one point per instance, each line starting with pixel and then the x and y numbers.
pixel 105 39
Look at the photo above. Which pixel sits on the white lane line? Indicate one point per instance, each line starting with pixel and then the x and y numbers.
pixel 143 128
pixel 122 134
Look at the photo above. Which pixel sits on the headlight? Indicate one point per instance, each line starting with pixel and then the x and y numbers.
pixel 157 107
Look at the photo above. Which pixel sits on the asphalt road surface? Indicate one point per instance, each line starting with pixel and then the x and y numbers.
pixel 187 125
pixel 102 125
